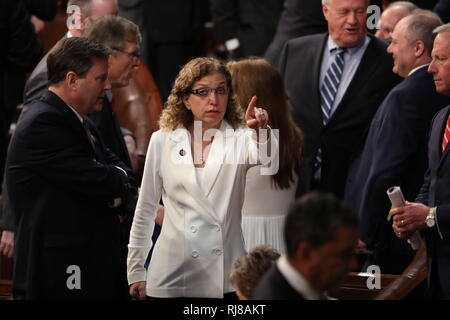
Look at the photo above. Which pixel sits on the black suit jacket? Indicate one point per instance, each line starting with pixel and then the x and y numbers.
pixel 106 123
pixel 273 286
pixel 59 188
pixel 253 22
pixel 395 152
pixel 435 192
pixel 345 132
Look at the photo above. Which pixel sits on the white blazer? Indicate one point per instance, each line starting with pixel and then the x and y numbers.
pixel 201 235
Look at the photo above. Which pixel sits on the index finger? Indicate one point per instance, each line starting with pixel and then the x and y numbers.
pixel 252 105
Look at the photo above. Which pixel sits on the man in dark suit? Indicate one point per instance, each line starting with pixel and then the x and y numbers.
pixel 321 235
pixel 104 120
pixel 245 27
pixel 335 82
pixel 123 38
pixel 395 150
pixel 63 182
pixel 430 214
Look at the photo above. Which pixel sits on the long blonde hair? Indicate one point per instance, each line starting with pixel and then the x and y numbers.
pixel 257 77
pixel 176 115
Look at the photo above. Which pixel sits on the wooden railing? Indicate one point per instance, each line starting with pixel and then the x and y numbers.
pixel 393 287
pixel 5 290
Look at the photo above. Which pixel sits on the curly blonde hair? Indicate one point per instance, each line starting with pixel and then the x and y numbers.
pixel 176 115
pixel 249 269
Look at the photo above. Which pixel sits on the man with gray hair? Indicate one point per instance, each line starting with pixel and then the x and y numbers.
pixel 395 150
pixel 430 214
pixel 391 16
pixel 335 83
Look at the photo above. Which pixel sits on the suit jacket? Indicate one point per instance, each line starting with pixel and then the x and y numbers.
pixel 201 236
pixel 60 186
pixel 274 286
pixel 395 152
pixel 346 130
pixel 108 126
pixel 299 18
pixel 252 22
pixel 436 193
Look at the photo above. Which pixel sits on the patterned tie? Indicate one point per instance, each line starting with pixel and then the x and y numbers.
pixel 446 135
pixel 88 132
pixel 328 91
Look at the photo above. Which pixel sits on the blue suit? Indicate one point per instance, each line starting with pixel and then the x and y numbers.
pixel 395 153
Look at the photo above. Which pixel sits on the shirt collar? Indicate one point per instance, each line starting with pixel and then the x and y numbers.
pixel 417 68
pixel 332 45
pixel 297 280
pixel 77 114
pixel 109 95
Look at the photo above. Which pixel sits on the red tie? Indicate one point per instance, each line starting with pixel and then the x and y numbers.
pixel 446 135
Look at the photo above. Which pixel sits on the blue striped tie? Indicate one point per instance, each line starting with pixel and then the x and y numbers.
pixel 328 91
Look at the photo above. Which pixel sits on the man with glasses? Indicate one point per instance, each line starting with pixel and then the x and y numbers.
pixel 123 38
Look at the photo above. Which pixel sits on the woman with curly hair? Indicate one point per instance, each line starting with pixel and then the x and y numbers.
pixel 197 162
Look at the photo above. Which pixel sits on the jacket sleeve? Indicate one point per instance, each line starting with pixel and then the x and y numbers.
pixel 58 156
pixel 144 217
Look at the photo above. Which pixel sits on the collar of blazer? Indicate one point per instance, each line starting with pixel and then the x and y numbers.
pixel 182 161
pixel 73 123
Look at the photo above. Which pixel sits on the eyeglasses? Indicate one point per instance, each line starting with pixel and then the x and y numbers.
pixel 205 92
pixel 132 55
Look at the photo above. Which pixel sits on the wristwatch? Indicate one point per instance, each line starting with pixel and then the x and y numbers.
pixel 431 218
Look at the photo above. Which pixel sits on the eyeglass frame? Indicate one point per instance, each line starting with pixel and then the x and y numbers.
pixel 132 55
pixel 197 91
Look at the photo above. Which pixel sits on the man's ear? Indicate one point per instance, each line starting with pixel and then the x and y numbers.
pixel 419 48
pixel 71 79
pixel 325 10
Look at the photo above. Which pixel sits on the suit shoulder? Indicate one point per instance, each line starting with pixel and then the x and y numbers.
pixel 309 40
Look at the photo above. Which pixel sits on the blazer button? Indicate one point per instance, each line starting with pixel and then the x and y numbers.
pixel 194 229
pixel 217 228
pixel 195 254
pixel 218 252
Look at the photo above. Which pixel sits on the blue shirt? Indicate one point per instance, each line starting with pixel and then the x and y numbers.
pixel 352 59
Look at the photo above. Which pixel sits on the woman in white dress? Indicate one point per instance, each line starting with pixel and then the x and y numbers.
pixel 267 198
pixel 197 162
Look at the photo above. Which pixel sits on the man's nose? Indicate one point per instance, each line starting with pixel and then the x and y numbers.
pixel 107 85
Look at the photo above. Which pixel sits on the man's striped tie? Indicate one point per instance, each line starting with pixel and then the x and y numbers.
pixel 446 135
pixel 328 91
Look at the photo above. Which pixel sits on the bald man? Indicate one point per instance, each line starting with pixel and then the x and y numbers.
pixel 391 16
